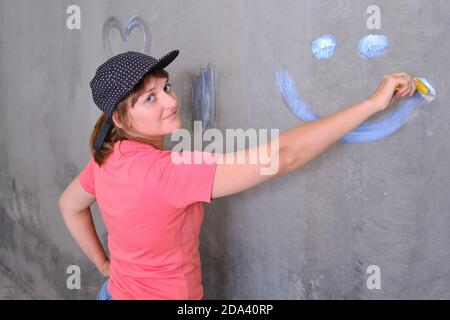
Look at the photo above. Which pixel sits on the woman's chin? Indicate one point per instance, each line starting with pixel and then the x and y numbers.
pixel 176 124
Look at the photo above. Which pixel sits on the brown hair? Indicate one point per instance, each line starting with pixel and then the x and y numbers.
pixel 115 133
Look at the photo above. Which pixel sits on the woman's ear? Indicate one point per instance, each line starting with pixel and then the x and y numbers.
pixel 116 120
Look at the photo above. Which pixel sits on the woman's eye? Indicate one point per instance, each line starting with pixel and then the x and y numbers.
pixel 167 85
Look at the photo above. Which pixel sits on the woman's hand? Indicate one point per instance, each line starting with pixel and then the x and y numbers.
pixel 104 268
pixel 385 93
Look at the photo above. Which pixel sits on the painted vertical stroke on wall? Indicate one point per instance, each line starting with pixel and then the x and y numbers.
pixel 203 102
pixel 368 131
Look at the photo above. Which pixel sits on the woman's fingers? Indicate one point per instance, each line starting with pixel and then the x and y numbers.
pixel 392 86
pixel 401 81
pixel 414 87
pixel 411 86
pixel 406 83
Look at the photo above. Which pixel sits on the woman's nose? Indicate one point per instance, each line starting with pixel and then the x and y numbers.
pixel 169 100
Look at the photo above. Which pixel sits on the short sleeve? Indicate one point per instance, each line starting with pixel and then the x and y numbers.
pixel 183 183
pixel 86 177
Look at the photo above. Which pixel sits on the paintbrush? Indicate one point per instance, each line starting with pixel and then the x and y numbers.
pixel 425 89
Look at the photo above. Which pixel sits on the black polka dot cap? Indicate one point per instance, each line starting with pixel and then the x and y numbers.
pixel 116 77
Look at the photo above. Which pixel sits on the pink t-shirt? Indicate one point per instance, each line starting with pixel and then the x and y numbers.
pixel 152 210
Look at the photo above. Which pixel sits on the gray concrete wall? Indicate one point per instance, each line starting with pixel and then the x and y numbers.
pixel 310 234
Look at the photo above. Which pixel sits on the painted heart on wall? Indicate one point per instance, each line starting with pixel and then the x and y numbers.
pixel 133 22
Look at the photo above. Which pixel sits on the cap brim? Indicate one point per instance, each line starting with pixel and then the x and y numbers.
pixel 167 59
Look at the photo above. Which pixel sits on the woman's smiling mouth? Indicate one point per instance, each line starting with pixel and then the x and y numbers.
pixel 170 116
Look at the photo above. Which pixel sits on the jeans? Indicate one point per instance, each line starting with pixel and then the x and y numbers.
pixel 104 294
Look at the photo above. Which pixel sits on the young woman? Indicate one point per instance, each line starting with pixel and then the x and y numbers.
pixel 152 206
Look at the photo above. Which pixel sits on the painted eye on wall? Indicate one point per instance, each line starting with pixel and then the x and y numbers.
pixel 369 47
pixel 373 46
pixel 324 47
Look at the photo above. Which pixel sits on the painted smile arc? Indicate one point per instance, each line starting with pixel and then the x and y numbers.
pixel 366 132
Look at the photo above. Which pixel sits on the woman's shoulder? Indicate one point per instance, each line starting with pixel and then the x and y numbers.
pixel 133 147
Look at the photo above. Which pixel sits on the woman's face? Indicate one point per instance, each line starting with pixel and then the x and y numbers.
pixel 156 113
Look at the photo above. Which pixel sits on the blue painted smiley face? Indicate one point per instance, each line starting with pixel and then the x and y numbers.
pixel 369 47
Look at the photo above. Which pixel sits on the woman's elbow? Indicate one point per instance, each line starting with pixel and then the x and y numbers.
pixel 286 161
pixel 66 205
pixel 62 204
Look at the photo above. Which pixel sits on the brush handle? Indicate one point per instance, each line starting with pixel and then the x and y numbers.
pixel 420 86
